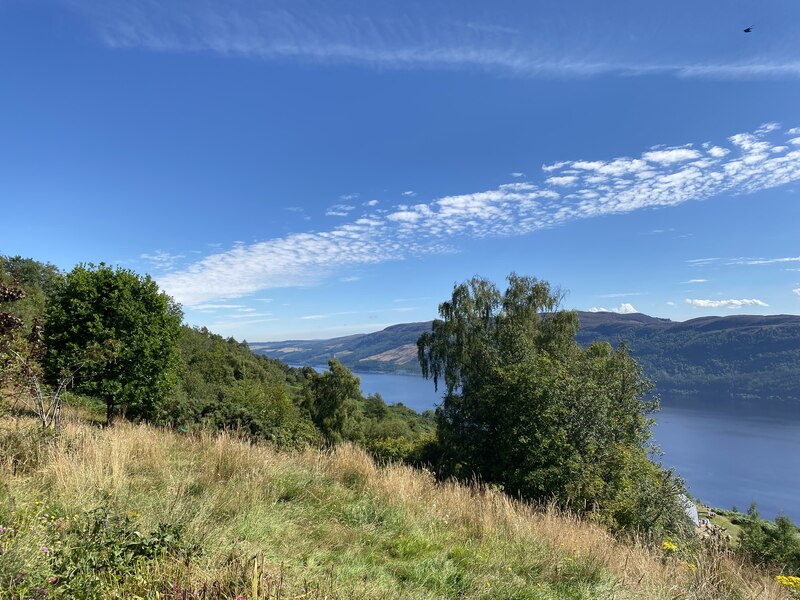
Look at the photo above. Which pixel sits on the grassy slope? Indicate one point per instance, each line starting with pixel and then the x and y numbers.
pixel 322 525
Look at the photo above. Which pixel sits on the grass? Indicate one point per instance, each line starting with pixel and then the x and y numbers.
pixel 138 512
pixel 722 518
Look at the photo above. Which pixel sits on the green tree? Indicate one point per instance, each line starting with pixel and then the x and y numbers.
pixel 116 310
pixel 528 408
pixel 771 543
pixel 331 399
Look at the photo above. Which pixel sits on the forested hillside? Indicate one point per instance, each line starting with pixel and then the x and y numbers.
pixel 741 356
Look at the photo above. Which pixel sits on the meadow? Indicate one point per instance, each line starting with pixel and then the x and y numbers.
pixel 135 511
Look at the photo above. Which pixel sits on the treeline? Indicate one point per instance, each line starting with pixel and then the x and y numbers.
pixel 118 342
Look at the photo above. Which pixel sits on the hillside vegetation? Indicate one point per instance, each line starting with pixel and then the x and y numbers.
pixel 741 356
pixel 139 512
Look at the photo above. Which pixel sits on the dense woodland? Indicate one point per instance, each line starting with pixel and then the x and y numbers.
pixel 527 409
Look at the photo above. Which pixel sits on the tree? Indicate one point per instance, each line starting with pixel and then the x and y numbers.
pixel 771 544
pixel 330 399
pixel 125 315
pixel 527 408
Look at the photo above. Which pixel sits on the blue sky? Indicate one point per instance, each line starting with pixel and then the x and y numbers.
pixel 309 169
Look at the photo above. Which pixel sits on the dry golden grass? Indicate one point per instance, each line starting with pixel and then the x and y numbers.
pixel 323 520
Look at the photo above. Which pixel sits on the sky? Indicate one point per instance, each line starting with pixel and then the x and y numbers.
pixel 307 169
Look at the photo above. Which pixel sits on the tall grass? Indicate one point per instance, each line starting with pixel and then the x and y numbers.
pixel 244 520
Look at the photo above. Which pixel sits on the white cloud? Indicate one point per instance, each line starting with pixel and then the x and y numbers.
pixel 347 197
pixel 405 216
pixel 327 316
pixel 732 304
pixel 566 180
pixel 517 174
pixel 371 203
pixel 670 303
pixel 768 128
pixel 409 193
pixel 718 152
pixel 796 291
pixel 621 295
pixel 673 155
pixel 623 309
pixel 603 187
pixel 218 306
pixel 161 260
pixel 339 210
pixel 764 261
pixel 695 281
pixel 793 131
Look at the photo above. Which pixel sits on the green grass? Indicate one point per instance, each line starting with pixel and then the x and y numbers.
pixel 135 512
pixel 722 518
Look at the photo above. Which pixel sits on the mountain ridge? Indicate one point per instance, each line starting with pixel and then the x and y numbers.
pixel 737 356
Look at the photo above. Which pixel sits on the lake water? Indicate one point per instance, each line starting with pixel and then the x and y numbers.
pixel 729 454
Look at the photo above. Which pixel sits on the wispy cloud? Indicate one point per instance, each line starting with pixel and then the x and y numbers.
pixel 742 260
pixel 732 304
pixel 327 316
pixel 601 187
pixel 623 309
pixel 586 40
pixel 765 261
pixel 209 307
pixel 796 291
pixel 161 260
pixel 695 281
pixel 339 210
pixel 517 174
pixel 621 294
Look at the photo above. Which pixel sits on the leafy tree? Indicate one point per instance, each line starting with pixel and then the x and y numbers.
pixel 222 384
pixel 99 307
pixel 331 399
pixel 528 408
pixel 37 281
pixel 771 543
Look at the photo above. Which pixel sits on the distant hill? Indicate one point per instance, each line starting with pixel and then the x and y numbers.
pixel 743 356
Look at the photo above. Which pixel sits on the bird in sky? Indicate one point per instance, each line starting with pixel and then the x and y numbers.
pixel 749 29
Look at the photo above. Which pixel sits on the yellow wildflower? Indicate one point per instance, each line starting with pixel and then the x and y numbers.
pixel 669 546
pixel 790 581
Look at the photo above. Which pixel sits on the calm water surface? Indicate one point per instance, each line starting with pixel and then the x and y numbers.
pixel 729 454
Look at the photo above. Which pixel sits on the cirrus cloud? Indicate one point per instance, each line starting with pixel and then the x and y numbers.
pixel 732 304
pixel 597 188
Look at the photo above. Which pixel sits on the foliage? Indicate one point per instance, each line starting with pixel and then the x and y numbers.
pixel 775 544
pixel 529 409
pixel 331 399
pixel 123 314
pixel 222 384
pixel 81 555
pixel 38 281
pixel 22 291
